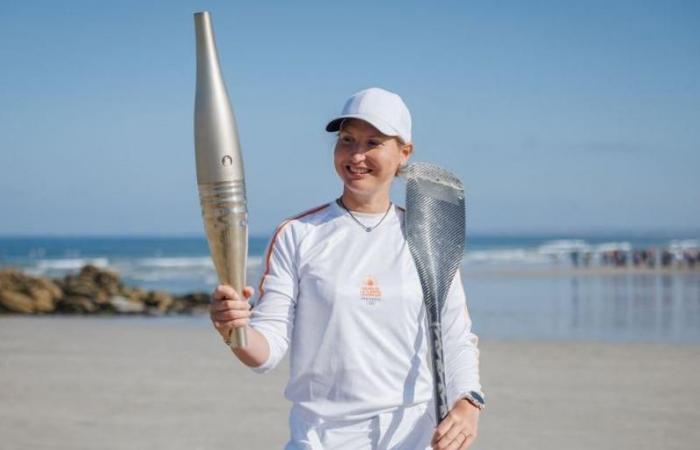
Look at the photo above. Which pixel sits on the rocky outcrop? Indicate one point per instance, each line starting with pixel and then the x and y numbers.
pixel 17 302
pixel 90 291
pixel 23 294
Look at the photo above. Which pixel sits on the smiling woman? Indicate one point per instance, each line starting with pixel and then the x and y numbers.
pixel 367 161
pixel 340 289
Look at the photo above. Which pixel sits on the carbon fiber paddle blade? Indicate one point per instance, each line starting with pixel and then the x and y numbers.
pixel 435 228
pixel 435 232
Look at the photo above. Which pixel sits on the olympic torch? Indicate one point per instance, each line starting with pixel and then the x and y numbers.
pixel 219 168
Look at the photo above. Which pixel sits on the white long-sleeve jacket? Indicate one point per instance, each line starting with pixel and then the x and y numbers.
pixel 349 303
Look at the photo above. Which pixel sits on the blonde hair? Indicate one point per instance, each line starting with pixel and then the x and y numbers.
pixel 342 123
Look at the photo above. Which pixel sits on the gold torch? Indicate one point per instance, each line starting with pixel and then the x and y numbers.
pixel 219 168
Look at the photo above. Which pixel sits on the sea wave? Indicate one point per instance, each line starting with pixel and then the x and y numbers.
pixel 550 252
pixel 563 246
pixel 69 264
pixel 190 262
pixel 170 268
pixel 154 270
pixel 508 255
pixel 173 262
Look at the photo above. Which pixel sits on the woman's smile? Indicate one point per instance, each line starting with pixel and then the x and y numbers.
pixel 358 171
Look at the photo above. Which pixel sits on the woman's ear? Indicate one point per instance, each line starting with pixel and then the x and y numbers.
pixel 406 152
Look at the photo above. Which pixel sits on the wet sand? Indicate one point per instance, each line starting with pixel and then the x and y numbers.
pixel 86 383
pixel 503 271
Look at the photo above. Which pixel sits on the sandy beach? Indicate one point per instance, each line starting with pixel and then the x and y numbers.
pixel 140 383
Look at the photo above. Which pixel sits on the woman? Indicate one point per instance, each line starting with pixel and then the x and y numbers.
pixel 341 289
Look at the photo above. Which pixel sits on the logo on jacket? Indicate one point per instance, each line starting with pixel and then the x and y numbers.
pixel 370 292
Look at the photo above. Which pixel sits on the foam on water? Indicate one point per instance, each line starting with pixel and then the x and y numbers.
pixel 507 255
pixel 550 252
pixel 68 264
pixel 175 262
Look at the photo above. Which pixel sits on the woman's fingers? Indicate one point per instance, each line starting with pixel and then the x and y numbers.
pixel 441 429
pixel 231 314
pixel 452 434
pixel 225 292
pixel 447 437
pixel 228 324
pixel 467 442
pixel 224 325
pixel 224 305
pixel 452 438
pixel 227 310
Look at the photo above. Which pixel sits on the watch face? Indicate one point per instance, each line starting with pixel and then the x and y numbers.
pixel 477 397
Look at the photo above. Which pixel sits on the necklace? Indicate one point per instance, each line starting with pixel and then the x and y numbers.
pixel 364 227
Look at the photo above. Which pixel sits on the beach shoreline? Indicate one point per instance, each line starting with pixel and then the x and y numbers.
pixel 567 271
pixel 96 382
pixel 94 290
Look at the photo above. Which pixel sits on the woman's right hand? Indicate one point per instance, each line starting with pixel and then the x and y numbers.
pixel 228 311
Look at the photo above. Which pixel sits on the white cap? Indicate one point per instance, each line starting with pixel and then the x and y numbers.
pixel 382 109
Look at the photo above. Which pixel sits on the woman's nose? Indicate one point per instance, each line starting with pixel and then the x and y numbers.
pixel 357 154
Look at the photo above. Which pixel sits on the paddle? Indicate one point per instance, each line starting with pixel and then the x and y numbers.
pixel 435 232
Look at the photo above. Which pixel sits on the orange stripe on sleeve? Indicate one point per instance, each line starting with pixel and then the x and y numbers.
pixel 279 229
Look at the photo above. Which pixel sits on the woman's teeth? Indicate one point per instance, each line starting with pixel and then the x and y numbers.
pixel 358 170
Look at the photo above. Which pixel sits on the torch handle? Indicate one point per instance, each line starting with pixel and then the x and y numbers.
pixel 239 338
pixel 226 225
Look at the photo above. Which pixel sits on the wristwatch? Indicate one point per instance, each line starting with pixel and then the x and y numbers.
pixel 475 398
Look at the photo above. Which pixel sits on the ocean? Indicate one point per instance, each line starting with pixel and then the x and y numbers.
pixel 518 287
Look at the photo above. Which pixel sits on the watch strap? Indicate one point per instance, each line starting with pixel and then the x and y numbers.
pixel 475 398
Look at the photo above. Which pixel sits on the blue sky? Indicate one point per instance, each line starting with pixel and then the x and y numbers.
pixel 559 116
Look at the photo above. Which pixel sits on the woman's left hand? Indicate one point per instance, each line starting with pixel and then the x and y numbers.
pixel 458 429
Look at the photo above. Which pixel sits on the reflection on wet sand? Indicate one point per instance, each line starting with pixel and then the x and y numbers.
pixel 635 306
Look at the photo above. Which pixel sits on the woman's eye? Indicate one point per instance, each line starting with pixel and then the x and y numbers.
pixel 373 143
pixel 345 139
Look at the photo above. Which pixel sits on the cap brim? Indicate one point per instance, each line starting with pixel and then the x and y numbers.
pixel 334 125
pixel 383 127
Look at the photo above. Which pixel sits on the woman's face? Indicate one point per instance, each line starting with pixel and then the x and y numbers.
pixel 367 160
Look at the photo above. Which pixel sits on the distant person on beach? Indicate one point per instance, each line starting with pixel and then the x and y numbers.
pixel 341 291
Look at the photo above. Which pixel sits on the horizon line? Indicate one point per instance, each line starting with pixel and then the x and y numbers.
pixel 591 232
